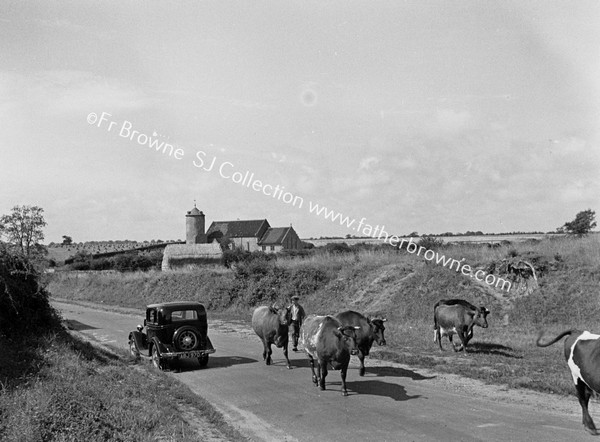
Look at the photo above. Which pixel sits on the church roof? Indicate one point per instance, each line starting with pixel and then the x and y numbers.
pixel 239 228
pixel 274 236
pixel 194 212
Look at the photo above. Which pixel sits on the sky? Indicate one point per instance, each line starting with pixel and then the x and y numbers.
pixel 427 116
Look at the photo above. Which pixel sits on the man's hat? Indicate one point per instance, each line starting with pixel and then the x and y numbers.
pixel 296 297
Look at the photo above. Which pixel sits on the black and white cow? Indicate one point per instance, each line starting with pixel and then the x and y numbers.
pixel 582 352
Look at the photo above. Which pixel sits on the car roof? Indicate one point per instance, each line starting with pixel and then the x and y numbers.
pixel 176 304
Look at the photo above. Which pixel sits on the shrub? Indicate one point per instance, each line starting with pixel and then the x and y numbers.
pixel 230 257
pixel 100 264
pixel 337 248
pixel 431 242
pixel 24 305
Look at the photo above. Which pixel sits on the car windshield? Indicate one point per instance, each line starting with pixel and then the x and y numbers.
pixel 183 315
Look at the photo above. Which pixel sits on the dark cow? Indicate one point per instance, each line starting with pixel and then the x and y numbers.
pixel 370 330
pixel 325 339
pixel 457 316
pixel 271 326
pixel 582 352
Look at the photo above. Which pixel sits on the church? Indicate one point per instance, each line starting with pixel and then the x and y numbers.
pixel 206 246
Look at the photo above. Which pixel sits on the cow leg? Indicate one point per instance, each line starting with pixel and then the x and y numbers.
pixel 438 338
pixel 453 345
pixel 264 351
pixel 343 374
pixel 583 394
pixel 463 338
pixel 323 374
pixel 312 368
pixel 285 353
pixel 269 353
pixel 361 358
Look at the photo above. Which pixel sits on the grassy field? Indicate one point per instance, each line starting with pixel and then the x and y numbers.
pixel 403 288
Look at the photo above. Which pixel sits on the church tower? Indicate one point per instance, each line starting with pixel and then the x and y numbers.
pixel 194 227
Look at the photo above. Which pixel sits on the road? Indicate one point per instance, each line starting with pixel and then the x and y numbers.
pixel 391 402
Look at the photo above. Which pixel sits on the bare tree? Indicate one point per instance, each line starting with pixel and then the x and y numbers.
pixel 23 228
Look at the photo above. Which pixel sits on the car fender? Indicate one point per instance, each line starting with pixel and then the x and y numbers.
pixel 209 345
pixel 161 347
pixel 140 341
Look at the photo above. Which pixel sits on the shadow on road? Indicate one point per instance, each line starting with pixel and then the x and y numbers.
pixel 492 349
pixel 213 362
pixel 379 388
pixel 72 324
pixel 396 372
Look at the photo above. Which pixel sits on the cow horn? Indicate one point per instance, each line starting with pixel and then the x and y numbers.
pixel 356 327
pixel 384 320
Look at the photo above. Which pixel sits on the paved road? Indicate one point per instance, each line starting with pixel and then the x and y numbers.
pixel 391 403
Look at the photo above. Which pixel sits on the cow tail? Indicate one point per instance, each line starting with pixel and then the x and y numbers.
pixel 558 338
pixel 435 324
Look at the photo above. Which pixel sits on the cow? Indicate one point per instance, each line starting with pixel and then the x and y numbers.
pixel 325 339
pixel 370 330
pixel 582 352
pixel 271 325
pixel 457 316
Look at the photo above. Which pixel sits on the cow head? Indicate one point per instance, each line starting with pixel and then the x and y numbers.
pixel 480 317
pixel 284 317
pixel 347 334
pixel 377 328
pixel 284 314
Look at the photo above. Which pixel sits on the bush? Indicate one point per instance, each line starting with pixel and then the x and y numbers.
pixel 24 305
pixel 431 243
pixel 100 264
pixel 337 248
pixel 237 255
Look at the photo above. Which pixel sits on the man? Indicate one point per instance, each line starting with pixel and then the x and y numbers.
pixel 298 315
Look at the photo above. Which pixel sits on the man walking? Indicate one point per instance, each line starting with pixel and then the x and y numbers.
pixel 298 315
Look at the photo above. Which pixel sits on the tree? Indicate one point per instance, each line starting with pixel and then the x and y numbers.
pixel 67 240
pixel 23 228
pixel 583 223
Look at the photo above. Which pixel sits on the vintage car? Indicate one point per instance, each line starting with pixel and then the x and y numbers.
pixel 174 331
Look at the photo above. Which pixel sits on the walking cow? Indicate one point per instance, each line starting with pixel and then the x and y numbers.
pixel 582 352
pixel 369 330
pixel 271 326
pixel 325 339
pixel 458 316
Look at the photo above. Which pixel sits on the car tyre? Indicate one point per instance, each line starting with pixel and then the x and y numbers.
pixel 133 349
pixel 203 360
pixel 186 338
pixel 157 361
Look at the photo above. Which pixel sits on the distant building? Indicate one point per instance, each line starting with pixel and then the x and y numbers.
pixel 205 247
pixel 194 227
pixel 277 239
pixel 242 234
pixel 254 235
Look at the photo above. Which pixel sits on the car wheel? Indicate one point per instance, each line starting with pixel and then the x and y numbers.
pixel 133 350
pixel 203 360
pixel 186 339
pixel 157 361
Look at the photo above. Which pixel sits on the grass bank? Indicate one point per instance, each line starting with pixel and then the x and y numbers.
pixel 404 288
pixel 54 386
pixel 72 391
